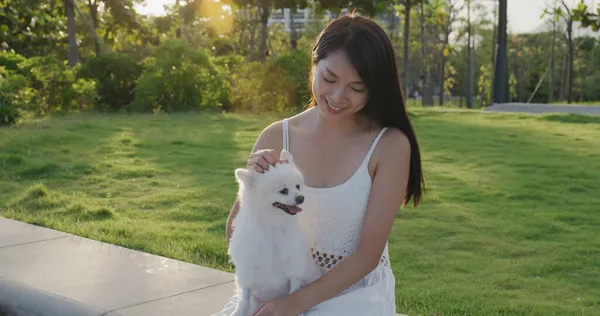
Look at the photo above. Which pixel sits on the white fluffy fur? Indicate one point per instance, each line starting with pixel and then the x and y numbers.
pixel 268 247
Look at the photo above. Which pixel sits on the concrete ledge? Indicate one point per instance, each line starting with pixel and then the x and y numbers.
pixel 21 300
pixel 44 272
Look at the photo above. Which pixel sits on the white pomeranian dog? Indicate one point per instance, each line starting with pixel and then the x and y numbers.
pixel 268 248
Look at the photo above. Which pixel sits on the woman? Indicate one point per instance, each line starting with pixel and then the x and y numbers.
pixel 361 162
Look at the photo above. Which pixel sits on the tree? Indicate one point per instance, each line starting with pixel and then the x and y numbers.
pixel 265 8
pixel 70 9
pixel 32 27
pixel 121 11
pixel 450 13
pixel 469 58
pixel 553 53
pixel 500 91
pixel 587 19
pixel 407 5
pixel 568 15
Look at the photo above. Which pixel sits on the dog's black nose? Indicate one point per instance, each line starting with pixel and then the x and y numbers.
pixel 299 199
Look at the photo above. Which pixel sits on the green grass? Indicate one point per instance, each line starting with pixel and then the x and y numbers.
pixel 509 225
pixel 589 103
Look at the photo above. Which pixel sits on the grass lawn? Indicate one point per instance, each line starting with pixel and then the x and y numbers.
pixel 589 103
pixel 509 225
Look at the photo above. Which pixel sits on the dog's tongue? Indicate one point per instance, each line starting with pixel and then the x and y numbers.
pixel 294 209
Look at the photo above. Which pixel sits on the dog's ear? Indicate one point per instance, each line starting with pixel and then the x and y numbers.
pixel 244 176
pixel 286 155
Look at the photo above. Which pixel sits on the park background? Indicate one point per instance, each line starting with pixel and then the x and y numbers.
pixel 125 127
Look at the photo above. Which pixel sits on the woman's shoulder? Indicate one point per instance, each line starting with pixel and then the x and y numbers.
pixel 393 144
pixel 271 137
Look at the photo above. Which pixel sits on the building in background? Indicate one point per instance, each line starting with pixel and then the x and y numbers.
pixel 298 19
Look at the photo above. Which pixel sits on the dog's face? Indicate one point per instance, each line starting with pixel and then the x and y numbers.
pixel 279 188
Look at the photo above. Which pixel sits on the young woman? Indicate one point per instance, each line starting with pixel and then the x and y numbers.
pixel 361 162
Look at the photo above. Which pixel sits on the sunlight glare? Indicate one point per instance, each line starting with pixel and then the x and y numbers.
pixel 218 15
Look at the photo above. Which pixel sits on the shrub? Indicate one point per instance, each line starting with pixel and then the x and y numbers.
pixel 179 78
pixel 10 85
pixel 43 85
pixel 49 85
pixel 10 61
pixel 116 77
pixel 260 88
pixel 9 113
pixel 86 93
pixel 296 65
pixel 227 66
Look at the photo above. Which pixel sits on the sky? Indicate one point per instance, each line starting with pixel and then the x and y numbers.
pixel 523 15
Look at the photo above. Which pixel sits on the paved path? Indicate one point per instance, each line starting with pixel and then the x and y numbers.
pixel 45 272
pixel 535 108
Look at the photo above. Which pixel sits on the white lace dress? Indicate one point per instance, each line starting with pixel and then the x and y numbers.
pixel 333 219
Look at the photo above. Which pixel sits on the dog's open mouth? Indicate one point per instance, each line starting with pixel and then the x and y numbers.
pixel 290 209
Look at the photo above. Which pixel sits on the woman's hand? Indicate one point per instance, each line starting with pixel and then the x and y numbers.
pixel 261 160
pixel 278 307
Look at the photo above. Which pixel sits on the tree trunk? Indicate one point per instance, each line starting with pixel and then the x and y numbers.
pixel 254 22
pixel 70 9
pixel 293 33
pixel 423 58
pixel 571 55
pixel 407 7
pixel 563 81
pixel 494 34
pixel 469 58
pixel 426 85
pixel 442 79
pixel 93 8
pixel 552 56
pixel 264 20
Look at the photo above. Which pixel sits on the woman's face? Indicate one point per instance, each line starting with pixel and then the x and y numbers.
pixel 337 87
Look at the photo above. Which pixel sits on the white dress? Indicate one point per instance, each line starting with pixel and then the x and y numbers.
pixel 332 219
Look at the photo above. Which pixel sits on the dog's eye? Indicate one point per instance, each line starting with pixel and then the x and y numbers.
pixel 284 191
pixel 298 186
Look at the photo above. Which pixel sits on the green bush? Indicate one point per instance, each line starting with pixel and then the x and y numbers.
pixel 86 92
pixel 262 88
pixel 296 65
pixel 180 78
pixel 45 84
pixel 9 112
pixel 49 85
pixel 116 77
pixel 227 66
pixel 10 61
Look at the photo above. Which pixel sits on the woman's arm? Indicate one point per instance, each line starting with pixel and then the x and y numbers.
pixel 229 226
pixel 389 184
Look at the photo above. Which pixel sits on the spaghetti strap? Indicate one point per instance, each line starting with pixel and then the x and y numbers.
pixel 372 149
pixel 286 135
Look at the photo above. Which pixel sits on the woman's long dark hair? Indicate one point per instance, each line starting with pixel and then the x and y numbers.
pixel 371 53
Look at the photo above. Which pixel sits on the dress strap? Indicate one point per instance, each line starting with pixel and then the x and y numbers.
pixel 370 152
pixel 286 135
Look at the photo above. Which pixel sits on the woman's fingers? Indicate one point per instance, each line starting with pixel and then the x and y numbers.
pixel 261 160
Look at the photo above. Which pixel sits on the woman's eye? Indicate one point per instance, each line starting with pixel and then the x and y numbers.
pixel 330 81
